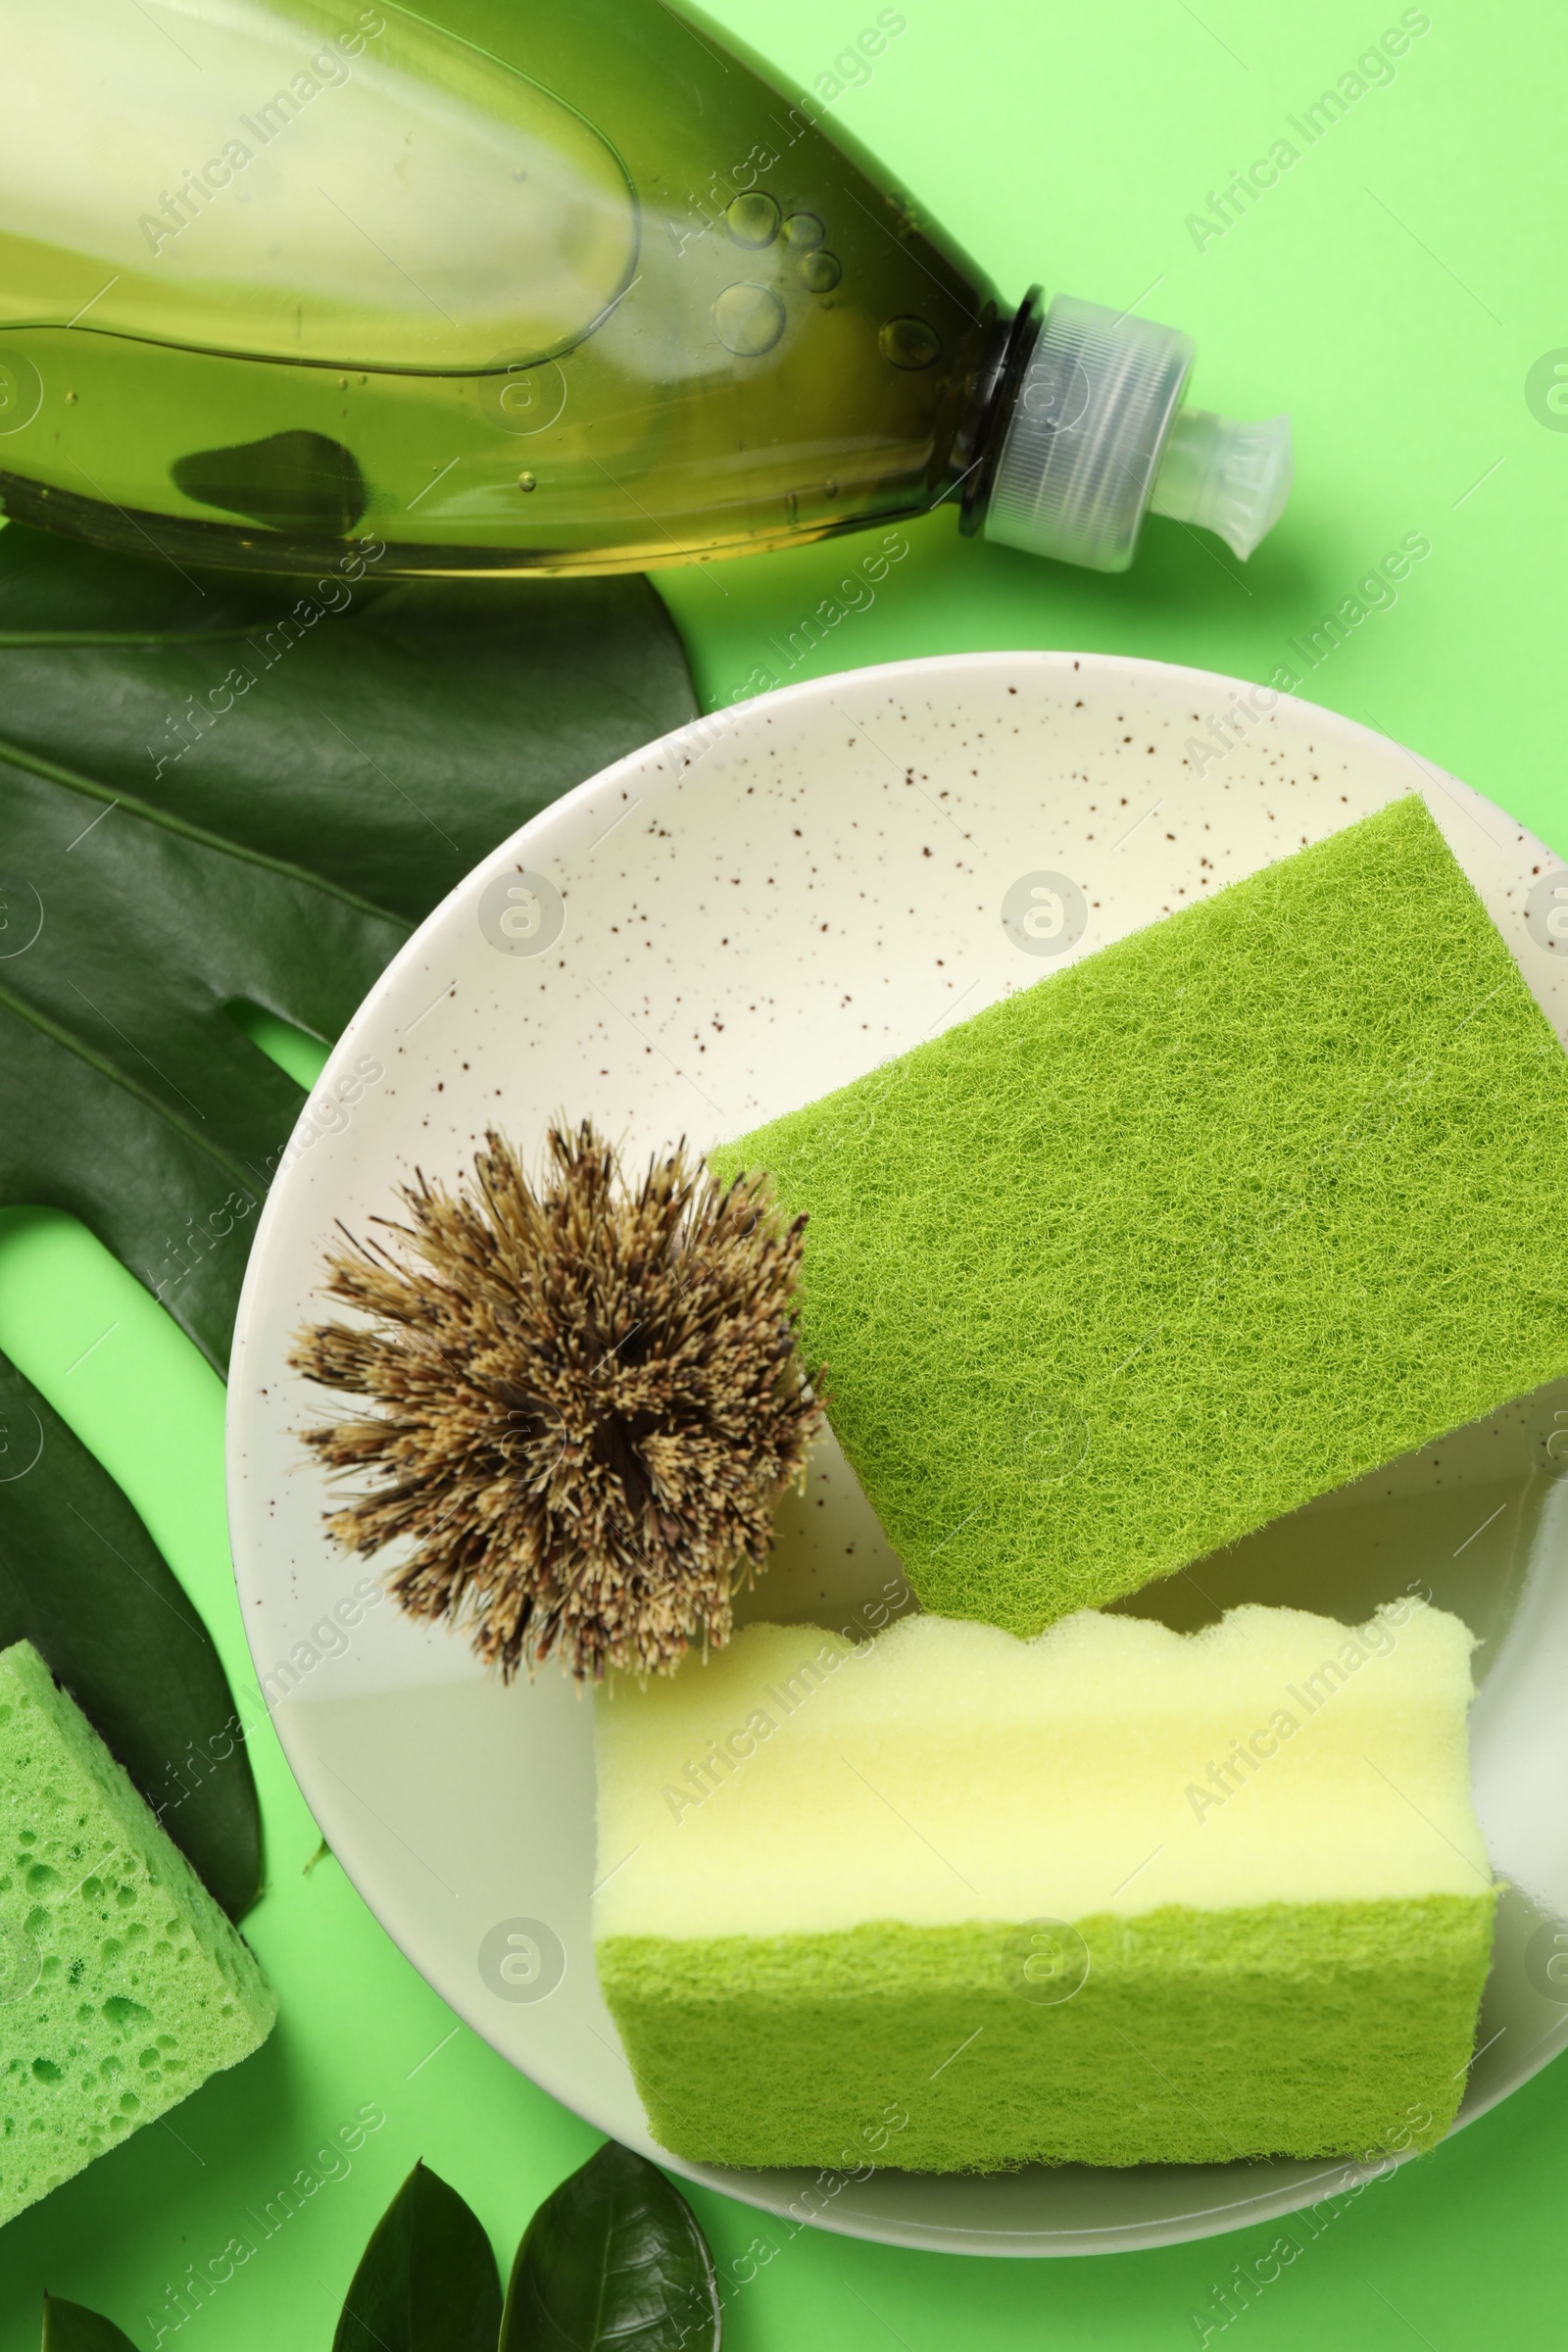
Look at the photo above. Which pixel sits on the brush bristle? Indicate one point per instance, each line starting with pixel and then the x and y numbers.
pixel 588 1402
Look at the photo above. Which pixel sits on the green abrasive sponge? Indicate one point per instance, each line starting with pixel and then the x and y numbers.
pixel 123 1986
pixel 1213 1221
pixel 950 1900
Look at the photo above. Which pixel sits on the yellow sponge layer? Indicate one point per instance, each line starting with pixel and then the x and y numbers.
pixel 1103 1857
pixel 948 1771
pixel 1215 1220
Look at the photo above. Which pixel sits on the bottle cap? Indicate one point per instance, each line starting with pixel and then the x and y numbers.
pixel 1097 436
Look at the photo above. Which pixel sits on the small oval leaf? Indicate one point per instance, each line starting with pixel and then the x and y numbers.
pixel 427 2281
pixel 68 2328
pixel 613 2257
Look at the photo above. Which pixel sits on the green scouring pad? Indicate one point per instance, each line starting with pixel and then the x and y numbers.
pixel 954 1901
pixel 123 1986
pixel 1211 1222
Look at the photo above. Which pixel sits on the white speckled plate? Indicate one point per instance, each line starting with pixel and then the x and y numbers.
pixel 725 925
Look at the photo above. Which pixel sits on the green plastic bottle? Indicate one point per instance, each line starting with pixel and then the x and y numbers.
pixel 512 287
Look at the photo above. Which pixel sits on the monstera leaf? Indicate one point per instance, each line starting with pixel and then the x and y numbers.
pixel 82 1580
pixel 219 793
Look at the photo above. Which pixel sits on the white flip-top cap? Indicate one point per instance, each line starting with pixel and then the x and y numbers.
pixel 1097 437
pixel 1232 478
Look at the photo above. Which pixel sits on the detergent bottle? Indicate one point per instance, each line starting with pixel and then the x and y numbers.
pixel 509 287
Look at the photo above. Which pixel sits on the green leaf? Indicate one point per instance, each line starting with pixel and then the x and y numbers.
pixel 427 2280
pixel 165 856
pixel 613 2257
pixel 82 1580
pixel 68 2328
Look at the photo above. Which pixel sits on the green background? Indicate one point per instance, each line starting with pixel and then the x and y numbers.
pixel 1393 291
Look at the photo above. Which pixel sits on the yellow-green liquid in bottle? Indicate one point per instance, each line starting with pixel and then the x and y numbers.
pixel 505 287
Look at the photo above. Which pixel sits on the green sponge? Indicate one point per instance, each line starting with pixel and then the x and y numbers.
pixel 954 1901
pixel 123 1986
pixel 1211 1222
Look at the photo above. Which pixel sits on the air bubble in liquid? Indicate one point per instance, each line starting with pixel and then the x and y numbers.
pixel 753 220
pixel 748 320
pixel 908 343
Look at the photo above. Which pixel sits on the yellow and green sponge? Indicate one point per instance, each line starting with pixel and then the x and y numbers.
pixel 950 1900
pixel 123 1986
pixel 1163 1246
